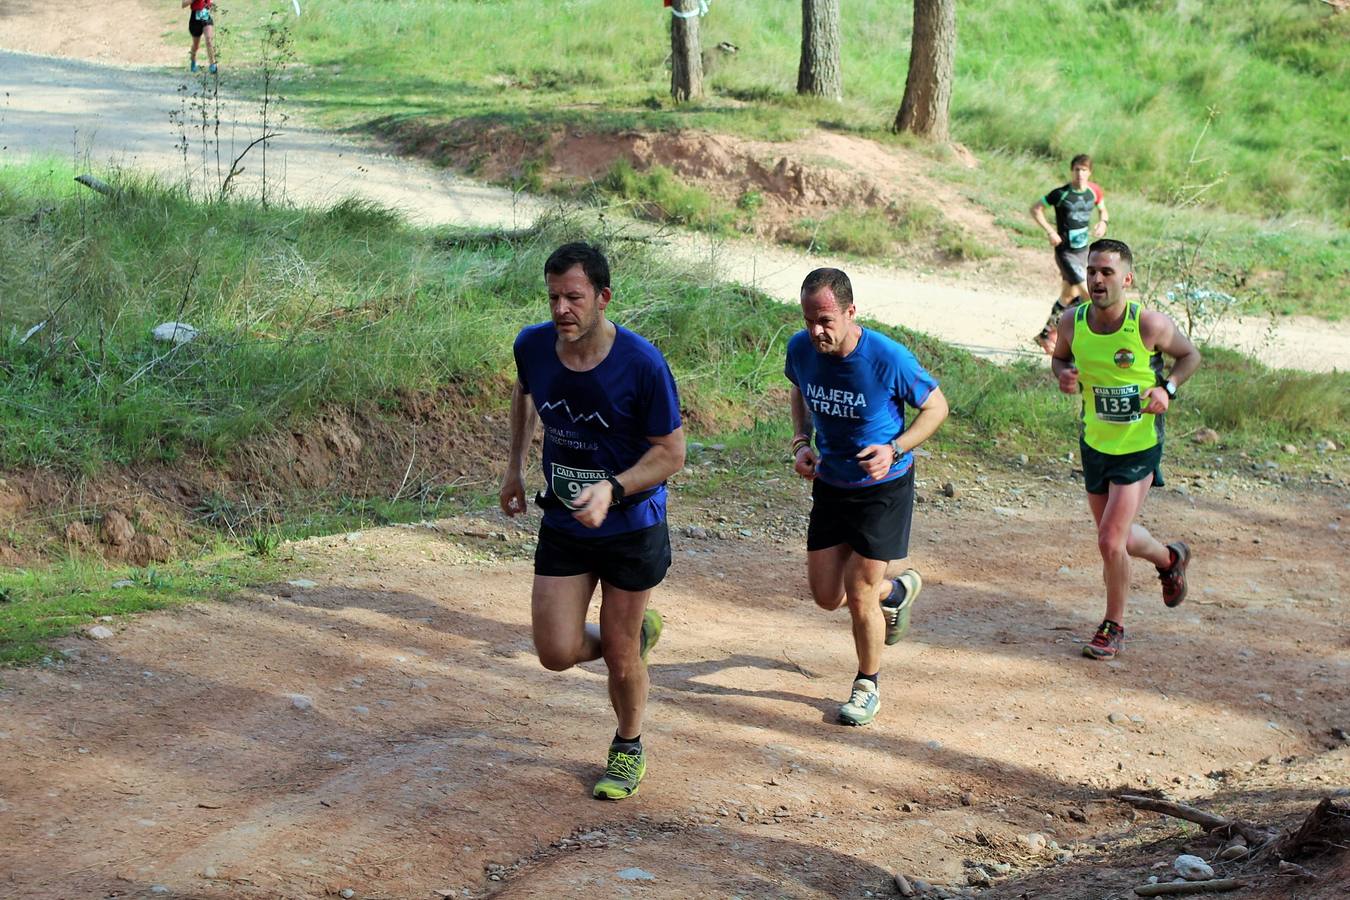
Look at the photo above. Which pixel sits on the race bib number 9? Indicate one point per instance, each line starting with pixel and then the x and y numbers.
pixel 1117 404
pixel 566 482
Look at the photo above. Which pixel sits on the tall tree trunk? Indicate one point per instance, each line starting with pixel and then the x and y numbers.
pixel 818 73
pixel 928 87
pixel 686 57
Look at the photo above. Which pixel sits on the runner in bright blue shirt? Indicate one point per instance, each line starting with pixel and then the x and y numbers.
pixel 612 436
pixel 850 386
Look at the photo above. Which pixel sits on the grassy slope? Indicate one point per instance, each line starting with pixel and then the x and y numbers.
pixel 305 310
pixel 1133 82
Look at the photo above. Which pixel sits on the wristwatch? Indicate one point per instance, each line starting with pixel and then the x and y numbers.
pixel 1171 387
pixel 617 491
pixel 895 449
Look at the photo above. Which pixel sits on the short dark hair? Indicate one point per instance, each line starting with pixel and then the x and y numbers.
pixel 835 280
pixel 1081 159
pixel 580 253
pixel 1120 248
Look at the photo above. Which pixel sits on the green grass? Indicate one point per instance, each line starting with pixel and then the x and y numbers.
pixel 303 311
pixel 1132 82
pixel 39 605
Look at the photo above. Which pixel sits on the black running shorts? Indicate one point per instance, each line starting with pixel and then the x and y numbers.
pixel 874 520
pixel 1103 469
pixel 632 561
pixel 1072 263
pixel 196 26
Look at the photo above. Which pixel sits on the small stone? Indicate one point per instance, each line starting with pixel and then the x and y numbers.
pixel 746 532
pixel 346 893
pixel 1118 718
pixel 99 632
pixel 1035 842
pixel 159 889
pixel 934 745
pixel 300 702
pixel 174 333
pixel 697 532
pixel 1206 436
pixel 361 710
pixel 1004 511
pixel 1290 449
pixel 978 877
pixel 1022 459
pixel 1078 815
pixel 1232 852
pixel 1265 698
pixel 903 886
pixel 633 873
pixel 303 583
pixel 967 798
pixel 1000 868
pixel 1192 868
pixel 948 489
pixel 1064 856
pixel 123 583
pixel 209 872
pixel 1326 446
pixel 352 537
pixel 1064 570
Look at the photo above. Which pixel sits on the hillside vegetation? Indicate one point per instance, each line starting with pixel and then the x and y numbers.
pixel 306 310
pixel 1131 81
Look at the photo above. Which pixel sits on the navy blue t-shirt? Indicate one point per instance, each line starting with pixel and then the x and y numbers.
pixel 856 401
pixel 596 423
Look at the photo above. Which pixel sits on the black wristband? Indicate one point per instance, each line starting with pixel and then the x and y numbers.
pixel 617 493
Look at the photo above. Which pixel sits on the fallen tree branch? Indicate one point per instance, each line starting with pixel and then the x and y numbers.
pixel 1175 888
pixel 95 184
pixel 1256 836
pixel 1326 828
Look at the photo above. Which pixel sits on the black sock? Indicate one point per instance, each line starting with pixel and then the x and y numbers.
pixel 627 745
pixel 897 594
pixel 875 678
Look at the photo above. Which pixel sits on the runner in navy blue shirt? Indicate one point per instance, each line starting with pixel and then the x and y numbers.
pixel 612 436
pixel 850 386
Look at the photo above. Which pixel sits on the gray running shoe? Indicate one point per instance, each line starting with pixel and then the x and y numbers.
pixel 897 615
pixel 862 706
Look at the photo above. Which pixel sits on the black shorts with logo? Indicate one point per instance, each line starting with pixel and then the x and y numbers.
pixel 874 520
pixel 631 561
pixel 1100 470
pixel 196 26
pixel 1072 263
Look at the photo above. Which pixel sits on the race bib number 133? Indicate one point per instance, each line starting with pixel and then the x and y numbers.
pixel 1117 404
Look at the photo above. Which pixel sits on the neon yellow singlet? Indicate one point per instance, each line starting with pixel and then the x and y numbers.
pixel 1115 370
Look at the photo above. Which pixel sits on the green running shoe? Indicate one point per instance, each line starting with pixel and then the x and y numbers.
pixel 862 706
pixel 623 773
pixel 897 616
pixel 651 632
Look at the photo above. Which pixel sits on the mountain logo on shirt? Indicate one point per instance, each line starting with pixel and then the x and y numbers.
pixel 584 417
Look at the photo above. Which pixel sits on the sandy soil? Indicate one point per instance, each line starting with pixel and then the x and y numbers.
pixel 439 756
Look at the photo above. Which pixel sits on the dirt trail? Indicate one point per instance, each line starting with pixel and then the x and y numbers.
pixel 438 754
pixel 120 117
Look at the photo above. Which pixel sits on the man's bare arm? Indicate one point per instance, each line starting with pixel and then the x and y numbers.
pixel 523 418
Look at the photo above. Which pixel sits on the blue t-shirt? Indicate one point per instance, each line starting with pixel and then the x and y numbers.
pixel 596 423
pixel 856 401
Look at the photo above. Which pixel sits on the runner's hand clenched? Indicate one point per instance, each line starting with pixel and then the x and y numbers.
pixel 592 504
pixel 512 496
pixel 876 460
pixel 804 463
pixel 1068 379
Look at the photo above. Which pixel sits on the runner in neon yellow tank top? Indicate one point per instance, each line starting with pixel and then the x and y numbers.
pixel 1112 350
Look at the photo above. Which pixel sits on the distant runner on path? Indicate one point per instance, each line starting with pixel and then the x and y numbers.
pixel 850 387
pixel 200 24
pixel 612 436
pixel 1073 204
pixel 1113 350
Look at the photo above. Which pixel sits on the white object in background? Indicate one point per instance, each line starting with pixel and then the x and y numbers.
pixel 296 4
pixel 174 333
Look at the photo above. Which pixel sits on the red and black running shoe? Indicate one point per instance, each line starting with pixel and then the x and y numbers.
pixel 1173 578
pixel 1107 642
